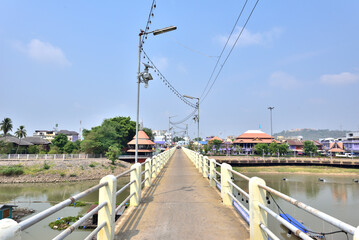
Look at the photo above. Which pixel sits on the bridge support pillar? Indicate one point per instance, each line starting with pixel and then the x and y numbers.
pixel 148 174
pixel 107 213
pixel 136 186
pixel 212 173
pixel 256 215
pixel 226 187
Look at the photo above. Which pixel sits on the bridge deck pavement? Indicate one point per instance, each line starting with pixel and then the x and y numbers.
pixel 180 204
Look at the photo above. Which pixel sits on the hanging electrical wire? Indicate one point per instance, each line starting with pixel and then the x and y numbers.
pixel 224 62
pixel 185 119
pixel 225 45
pixel 167 83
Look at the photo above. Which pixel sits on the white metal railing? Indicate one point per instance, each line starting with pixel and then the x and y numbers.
pixel 256 214
pixel 48 156
pixel 106 209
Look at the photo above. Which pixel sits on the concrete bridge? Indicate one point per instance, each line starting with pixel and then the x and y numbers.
pixel 174 196
pixel 180 204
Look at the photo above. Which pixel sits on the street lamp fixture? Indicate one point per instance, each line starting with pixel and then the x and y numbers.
pixel 145 76
pixel 197 106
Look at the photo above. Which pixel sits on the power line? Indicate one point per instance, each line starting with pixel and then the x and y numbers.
pixel 185 119
pixel 239 35
pixel 167 83
pixel 225 45
pixel 150 15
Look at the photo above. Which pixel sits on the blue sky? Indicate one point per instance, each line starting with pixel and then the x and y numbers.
pixel 66 61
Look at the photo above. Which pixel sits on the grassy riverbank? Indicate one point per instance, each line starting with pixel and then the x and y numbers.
pixel 299 170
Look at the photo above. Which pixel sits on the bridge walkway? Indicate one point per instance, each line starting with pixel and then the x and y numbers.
pixel 180 204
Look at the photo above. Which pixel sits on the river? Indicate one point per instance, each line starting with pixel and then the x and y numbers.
pixel 337 196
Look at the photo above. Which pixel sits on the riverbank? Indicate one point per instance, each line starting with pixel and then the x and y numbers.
pixel 322 170
pixel 40 171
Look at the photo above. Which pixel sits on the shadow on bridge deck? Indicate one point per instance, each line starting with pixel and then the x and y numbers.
pixel 180 204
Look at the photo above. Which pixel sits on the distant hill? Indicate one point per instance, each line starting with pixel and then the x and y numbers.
pixel 312 134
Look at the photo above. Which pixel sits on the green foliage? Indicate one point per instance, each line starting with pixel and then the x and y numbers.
pixel 313 134
pixel 283 148
pixel 54 150
pixel 92 165
pixel 63 223
pixel 5 147
pixel 309 147
pixel 177 139
pixel 273 148
pixel 60 141
pixel 46 166
pixel 69 147
pixel 206 149
pixel 216 143
pixel 117 131
pixel 78 204
pixel 33 149
pixel 12 170
pixel 73 175
pixel 21 132
pixel 6 126
pixel 113 153
pixel 148 131
pixel 62 174
pixel 260 147
pixel 197 139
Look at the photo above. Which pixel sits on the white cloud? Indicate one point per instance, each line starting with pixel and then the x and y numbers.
pixel 343 78
pixel 283 80
pixel 43 52
pixel 248 38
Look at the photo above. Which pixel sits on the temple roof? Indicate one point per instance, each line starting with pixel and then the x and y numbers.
pixel 143 139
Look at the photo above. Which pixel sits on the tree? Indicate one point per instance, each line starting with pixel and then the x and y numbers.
pixel 54 150
pixel 33 149
pixel 20 133
pixel 149 133
pixel 283 148
pixel 69 147
pixel 273 148
pixel 177 139
pixel 117 131
pixel 309 147
pixel 6 126
pixel 216 143
pixel 113 153
pixel 260 148
pixel 60 141
pixel 5 147
pixel 198 139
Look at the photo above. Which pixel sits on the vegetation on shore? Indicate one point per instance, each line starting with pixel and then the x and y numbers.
pixel 297 169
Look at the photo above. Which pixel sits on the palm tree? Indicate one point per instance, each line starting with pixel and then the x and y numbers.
pixel 6 126
pixel 20 133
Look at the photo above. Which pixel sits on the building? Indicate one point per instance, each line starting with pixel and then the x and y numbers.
pixel 50 135
pixel 351 142
pixel 162 135
pixel 295 146
pixel 247 141
pixel 6 211
pixel 145 147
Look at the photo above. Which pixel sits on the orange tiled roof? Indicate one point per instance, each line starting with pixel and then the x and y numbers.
pixel 254 136
pixel 336 147
pixel 143 139
pixel 216 138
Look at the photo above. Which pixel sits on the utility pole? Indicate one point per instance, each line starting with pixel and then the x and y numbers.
pixel 271 129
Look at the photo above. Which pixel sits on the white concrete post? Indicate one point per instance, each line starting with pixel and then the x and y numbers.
pixel 136 186
pixel 148 173
pixel 200 163
pixel 9 229
pixel 205 167
pixel 196 160
pixel 63 156
pixel 158 162
pixel 256 215
pixel 212 173
pixel 27 157
pixel 225 185
pixel 107 213
pixel 154 167
pixel 356 234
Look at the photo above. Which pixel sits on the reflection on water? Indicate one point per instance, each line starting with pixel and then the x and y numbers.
pixel 49 194
pixel 337 196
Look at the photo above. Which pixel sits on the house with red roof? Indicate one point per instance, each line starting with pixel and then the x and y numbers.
pixel 145 147
pixel 250 138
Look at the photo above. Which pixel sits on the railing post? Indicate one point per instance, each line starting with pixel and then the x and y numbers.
pixel 200 163
pixel 107 213
pixel 158 162
pixel 154 167
pixel 356 234
pixel 213 174
pixel 256 215
pixel 136 186
pixel 226 187
pixel 9 229
pixel 205 167
pixel 197 160
pixel 148 174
